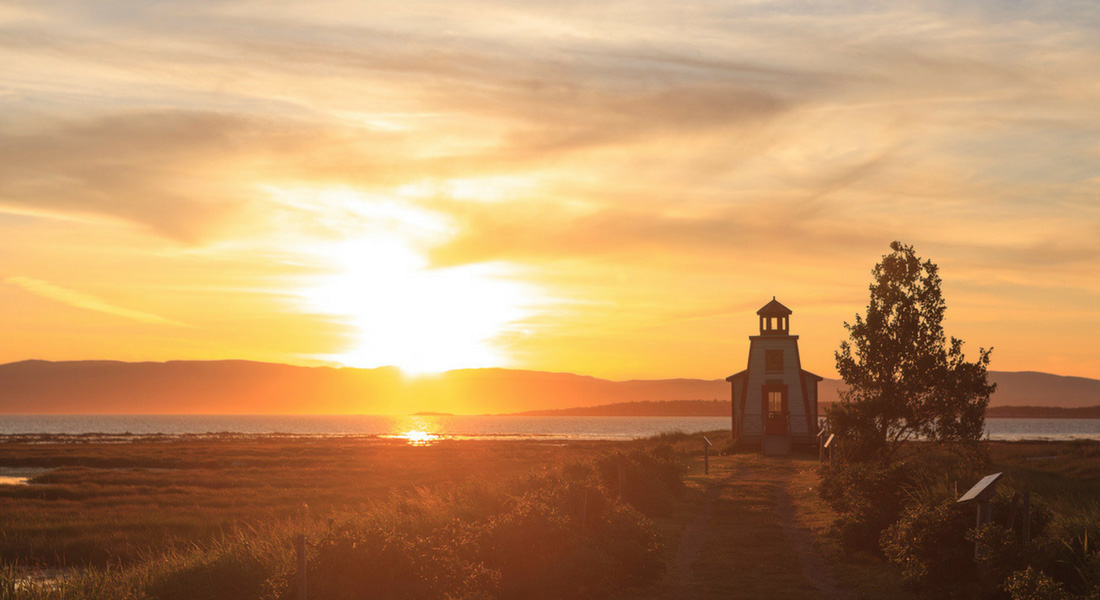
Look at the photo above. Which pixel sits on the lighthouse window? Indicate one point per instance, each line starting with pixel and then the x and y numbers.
pixel 773 361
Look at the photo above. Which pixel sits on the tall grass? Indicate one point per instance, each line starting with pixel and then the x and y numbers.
pixel 563 533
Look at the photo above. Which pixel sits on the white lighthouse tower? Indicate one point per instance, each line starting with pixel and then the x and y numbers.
pixel 774 399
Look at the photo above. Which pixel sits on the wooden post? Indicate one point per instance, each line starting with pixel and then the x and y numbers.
pixel 584 510
pixel 300 546
pixel 706 457
pixel 620 478
pixel 1011 521
pixel 977 525
pixel 1027 517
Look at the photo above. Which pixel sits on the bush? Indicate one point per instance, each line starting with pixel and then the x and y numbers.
pixel 542 536
pixel 868 500
pixel 650 478
pixel 929 544
pixel 356 560
pixel 1033 584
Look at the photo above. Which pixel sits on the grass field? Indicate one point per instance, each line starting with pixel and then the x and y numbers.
pixel 114 503
pixel 754 527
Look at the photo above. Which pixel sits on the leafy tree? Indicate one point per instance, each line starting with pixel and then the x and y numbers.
pixel 904 379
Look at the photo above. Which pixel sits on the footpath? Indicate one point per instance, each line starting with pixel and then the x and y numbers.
pixel 746 537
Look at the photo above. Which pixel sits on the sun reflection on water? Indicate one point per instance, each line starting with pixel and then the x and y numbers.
pixel 417 437
pixel 416 430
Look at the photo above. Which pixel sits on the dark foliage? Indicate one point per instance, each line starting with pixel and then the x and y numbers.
pixel 649 478
pixel 867 499
pixel 929 543
pixel 905 379
pixel 542 537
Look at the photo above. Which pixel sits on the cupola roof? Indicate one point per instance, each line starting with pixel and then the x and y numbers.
pixel 774 309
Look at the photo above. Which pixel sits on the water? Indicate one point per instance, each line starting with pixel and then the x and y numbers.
pixel 460 427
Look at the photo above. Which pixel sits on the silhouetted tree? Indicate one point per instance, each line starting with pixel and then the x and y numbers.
pixel 904 379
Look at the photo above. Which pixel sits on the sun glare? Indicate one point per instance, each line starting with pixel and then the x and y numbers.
pixel 405 312
pixel 418 438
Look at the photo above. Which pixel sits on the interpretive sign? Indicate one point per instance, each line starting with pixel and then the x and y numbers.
pixel 981 490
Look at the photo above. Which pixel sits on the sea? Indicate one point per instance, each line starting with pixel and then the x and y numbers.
pixel 435 427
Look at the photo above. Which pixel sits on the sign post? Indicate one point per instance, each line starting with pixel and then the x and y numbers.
pixel 980 495
pixel 829 446
pixel 300 550
pixel 706 455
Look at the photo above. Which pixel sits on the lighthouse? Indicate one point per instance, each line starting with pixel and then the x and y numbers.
pixel 774 399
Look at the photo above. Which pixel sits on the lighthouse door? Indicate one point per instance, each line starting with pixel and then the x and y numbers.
pixel 775 409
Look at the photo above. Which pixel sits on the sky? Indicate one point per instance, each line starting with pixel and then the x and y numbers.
pixel 609 188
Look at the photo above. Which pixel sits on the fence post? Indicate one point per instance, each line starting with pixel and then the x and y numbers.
pixel 1027 516
pixel 621 459
pixel 584 511
pixel 983 506
pixel 1011 521
pixel 300 547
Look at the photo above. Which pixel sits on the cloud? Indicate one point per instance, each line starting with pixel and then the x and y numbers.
pixel 86 301
pixel 652 147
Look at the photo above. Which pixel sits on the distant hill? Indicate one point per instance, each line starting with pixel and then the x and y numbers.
pixel 244 387
pixel 721 408
pixel 1043 412
pixel 659 408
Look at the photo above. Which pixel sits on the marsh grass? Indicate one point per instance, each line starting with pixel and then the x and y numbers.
pixel 117 503
pixel 516 523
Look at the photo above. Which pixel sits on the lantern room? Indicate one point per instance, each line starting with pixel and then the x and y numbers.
pixel 775 319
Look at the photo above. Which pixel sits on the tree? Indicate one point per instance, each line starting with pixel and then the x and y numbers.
pixel 904 379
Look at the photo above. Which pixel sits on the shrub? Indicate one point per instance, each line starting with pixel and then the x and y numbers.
pixel 633 544
pixel 650 478
pixel 929 544
pixel 367 560
pixel 1033 584
pixel 867 499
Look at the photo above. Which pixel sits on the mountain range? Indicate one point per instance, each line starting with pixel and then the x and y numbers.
pixel 244 387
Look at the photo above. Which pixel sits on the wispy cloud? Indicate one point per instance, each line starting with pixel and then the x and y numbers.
pixel 663 158
pixel 86 301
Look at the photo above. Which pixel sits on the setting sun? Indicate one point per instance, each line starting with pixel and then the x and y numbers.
pixel 535 188
pixel 401 310
pixel 453 299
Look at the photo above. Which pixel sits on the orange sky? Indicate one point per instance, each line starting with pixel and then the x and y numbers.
pixel 608 189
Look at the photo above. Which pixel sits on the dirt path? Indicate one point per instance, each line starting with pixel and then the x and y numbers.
pixel 693 538
pixel 801 542
pixel 745 539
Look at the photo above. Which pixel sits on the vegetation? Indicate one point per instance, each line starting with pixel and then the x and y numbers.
pixel 113 501
pixel 908 514
pixel 904 380
pixel 545 520
pixel 564 531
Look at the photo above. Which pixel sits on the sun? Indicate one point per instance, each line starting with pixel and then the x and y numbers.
pixel 402 311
